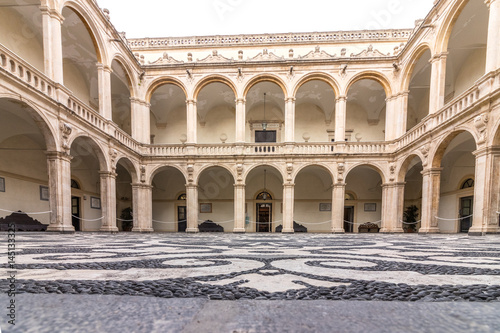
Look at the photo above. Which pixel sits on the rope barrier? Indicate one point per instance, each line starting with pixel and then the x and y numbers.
pixel 314 223
pixel 410 223
pixel 458 219
pixel 355 223
pixel 24 213
pixel 125 220
pixel 169 222
pixel 87 220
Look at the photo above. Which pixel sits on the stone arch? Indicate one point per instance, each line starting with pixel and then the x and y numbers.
pixel 159 168
pixel 444 33
pixel 377 168
pixel 262 78
pixel 404 166
pixel 327 78
pixel 92 29
pixel 132 82
pixel 151 88
pixel 371 75
pixel 411 63
pixel 211 79
pixel 275 166
pixel 214 165
pixel 130 166
pixel 443 143
pixel 45 126
pixel 305 166
pixel 96 146
pixel 495 137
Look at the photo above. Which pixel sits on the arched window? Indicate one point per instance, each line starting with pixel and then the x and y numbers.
pixel 264 195
pixel 182 197
pixel 74 184
pixel 469 183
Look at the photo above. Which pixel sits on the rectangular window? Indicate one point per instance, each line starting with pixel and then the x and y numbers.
pixel 265 136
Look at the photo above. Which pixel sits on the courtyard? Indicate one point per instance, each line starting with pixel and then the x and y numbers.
pixel 93 282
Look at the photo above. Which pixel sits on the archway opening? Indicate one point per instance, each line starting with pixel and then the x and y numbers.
pixel 419 91
pixel 169 201
pixel 216 199
pixel 86 208
pixel 168 115
pixel 313 199
pixel 265 114
pixel 366 111
pixel 79 59
pixel 366 183
pixel 24 180
pixel 120 97
pixel 466 61
pixel 315 112
pixel 263 213
pixel 216 114
pixel 455 203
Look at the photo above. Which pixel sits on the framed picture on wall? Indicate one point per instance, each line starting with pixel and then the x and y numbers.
pixel 44 193
pixel 325 207
pixel 205 208
pixel 95 203
pixel 370 207
pixel 2 184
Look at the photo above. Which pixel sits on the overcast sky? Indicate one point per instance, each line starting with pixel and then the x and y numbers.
pixel 167 18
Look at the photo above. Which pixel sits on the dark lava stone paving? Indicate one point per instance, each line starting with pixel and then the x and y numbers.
pixel 436 268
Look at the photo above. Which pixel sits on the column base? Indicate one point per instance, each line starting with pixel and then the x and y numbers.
pixel 192 230
pixel 143 230
pixel 431 230
pixel 61 229
pixel 112 230
pixel 239 230
pixel 338 231
pixel 287 231
pixel 391 231
pixel 483 231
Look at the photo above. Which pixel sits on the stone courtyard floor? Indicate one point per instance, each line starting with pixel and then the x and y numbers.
pixel 90 282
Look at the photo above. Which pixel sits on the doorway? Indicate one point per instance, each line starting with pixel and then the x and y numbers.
pixel 349 219
pixel 264 214
pixel 181 219
pixel 75 213
pixel 466 209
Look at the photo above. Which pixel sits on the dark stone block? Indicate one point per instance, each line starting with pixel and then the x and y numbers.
pixel 22 222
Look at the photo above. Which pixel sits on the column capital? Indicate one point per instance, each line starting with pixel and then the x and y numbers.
pixel 289 185
pixel 52 13
pixel 489 2
pixel 393 185
pixel 241 100
pixel 191 101
pixel 58 155
pixel 431 171
pixel 191 186
pixel 107 174
pixel 239 185
pixel 290 99
pixel 339 185
pixel 341 98
pixel 139 101
pixel 104 67
pixel 482 152
pixel 439 56
pixel 142 186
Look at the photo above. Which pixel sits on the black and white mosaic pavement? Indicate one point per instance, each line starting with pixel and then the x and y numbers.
pixel 261 267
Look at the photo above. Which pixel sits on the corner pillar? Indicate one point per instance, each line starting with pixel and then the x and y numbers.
pixel 288 203
pixel 239 208
pixel 340 118
pixel 240 120
pixel 104 85
pixel 52 44
pixel 192 122
pixel 142 202
pixel 192 208
pixel 140 120
pixel 438 82
pixel 338 202
pixel 290 120
pixel 431 183
pixel 59 170
pixel 392 207
pixel 108 201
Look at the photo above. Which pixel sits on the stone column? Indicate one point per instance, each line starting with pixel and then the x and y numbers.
pixel 392 205
pixel 192 208
pixel 59 170
pixel 141 130
pixel 142 200
pixel 240 120
pixel 289 120
pixel 105 103
pixel 485 218
pixel 401 111
pixel 430 199
pixel 108 201
pixel 493 47
pixel 391 121
pixel 192 122
pixel 338 202
pixel 340 118
pixel 438 82
pixel 288 203
pixel 239 208
pixel 52 44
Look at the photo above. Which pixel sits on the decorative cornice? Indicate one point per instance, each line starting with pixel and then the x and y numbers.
pixel 166 59
pixel 317 54
pixel 370 53
pixel 266 56
pixel 214 57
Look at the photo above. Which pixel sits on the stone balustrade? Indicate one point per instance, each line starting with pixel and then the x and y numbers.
pixel 86 113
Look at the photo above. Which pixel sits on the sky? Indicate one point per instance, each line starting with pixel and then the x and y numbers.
pixel 176 18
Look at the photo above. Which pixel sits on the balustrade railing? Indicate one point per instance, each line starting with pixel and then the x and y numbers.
pixel 21 69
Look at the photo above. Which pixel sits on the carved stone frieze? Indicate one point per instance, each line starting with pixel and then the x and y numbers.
pixel 318 54
pixel 65 133
pixel 166 60
pixel 214 58
pixel 266 56
pixel 480 125
pixel 369 53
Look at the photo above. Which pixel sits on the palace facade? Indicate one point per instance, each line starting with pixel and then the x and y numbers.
pixel 253 132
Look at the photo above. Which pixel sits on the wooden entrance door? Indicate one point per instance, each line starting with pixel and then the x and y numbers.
pixel 349 217
pixel 466 209
pixel 181 218
pixel 264 213
pixel 75 212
